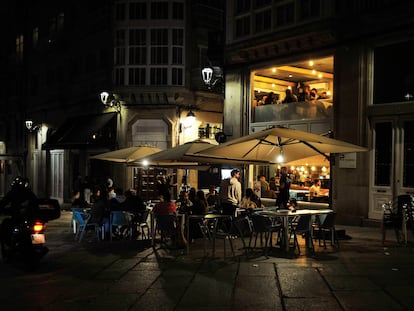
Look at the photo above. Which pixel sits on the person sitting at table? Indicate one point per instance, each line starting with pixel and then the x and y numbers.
pixel 250 201
pixel 183 203
pixel 134 204
pixel 165 207
pixel 314 189
pixel 100 209
pixel 212 198
pixel 199 208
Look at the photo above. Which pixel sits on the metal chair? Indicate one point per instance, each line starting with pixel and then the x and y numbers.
pixel 83 223
pixel 264 226
pixel 326 224
pixel 302 225
pixel 121 221
pixel 167 228
pixel 143 224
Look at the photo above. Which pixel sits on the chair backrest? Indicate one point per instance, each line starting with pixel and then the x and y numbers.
pixel 260 223
pixel 329 221
pixel 144 215
pixel 81 218
pixel 302 224
pixel 166 223
pixel 243 225
pixel 119 218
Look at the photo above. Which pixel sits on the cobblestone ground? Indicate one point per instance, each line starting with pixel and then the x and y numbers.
pixel 131 275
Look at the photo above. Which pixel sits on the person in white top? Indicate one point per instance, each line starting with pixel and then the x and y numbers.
pixel 314 189
pixel 230 193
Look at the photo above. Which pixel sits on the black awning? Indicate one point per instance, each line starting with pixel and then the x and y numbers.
pixel 84 132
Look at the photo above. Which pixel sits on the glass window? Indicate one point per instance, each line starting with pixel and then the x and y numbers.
pixel 285 14
pixel 177 55
pixel 261 3
pixel 177 76
pixel 178 10
pixel 136 76
pixel 159 36
pixel 159 10
pixel 394 76
pixel 159 55
pixel 263 21
pixel 158 76
pixel 309 9
pixel 242 6
pixel 119 56
pixel 383 153
pixel 119 78
pixel 408 170
pixel 137 55
pixel 138 10
pixel 243 26
pixel 178 37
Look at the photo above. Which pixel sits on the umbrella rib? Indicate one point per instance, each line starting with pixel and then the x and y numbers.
pixel 315 149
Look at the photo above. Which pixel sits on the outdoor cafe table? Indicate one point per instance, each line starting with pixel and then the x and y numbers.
pixel 285 215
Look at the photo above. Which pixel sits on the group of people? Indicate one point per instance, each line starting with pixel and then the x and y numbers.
pixel 105 198
pixel 303 93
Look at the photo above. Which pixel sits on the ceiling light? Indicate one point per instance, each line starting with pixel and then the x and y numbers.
pixel 273 70
pixel 311 63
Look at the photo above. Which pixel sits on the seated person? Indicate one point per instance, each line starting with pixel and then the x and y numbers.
pixel 315 189
pixel 166 207
pixel 213 198
pixel 184 203
pixel 251 201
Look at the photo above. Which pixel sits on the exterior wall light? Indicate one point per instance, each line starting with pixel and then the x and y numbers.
pixel 109 101
pixel 213 78
pixel 29 125
pixel 207 74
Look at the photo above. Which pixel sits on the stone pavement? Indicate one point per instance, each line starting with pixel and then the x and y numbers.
pixel 131 275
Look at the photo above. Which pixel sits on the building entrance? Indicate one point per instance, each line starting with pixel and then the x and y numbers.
pixel 392 162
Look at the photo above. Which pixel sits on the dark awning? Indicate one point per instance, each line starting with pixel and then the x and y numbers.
pixel 84 132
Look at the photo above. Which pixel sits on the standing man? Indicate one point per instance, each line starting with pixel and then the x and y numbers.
pixel 284 186
pixel 230 193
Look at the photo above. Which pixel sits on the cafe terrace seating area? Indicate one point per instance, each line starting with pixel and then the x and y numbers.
pixel 257 233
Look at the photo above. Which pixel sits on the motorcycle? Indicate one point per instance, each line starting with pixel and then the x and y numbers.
pixel 25 239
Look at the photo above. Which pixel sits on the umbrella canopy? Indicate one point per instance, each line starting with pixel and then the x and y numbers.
pixel 187 155
pixel 176 156
pixel 268 144
pixel 127 155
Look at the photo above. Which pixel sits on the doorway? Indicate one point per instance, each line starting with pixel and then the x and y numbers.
pixel 392 161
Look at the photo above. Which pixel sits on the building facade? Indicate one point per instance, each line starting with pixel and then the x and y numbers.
pixel 60 56
pixel 354 52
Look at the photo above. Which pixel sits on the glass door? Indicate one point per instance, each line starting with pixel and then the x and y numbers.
pixel 393 162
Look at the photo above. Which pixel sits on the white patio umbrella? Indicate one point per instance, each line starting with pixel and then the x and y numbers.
pixel 186 155
pixel 272 143
pixel 127 155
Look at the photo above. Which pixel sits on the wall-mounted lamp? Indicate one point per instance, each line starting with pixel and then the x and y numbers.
pixel 109 100
pixel 190 118
pixel 31 127
pixel 213 77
